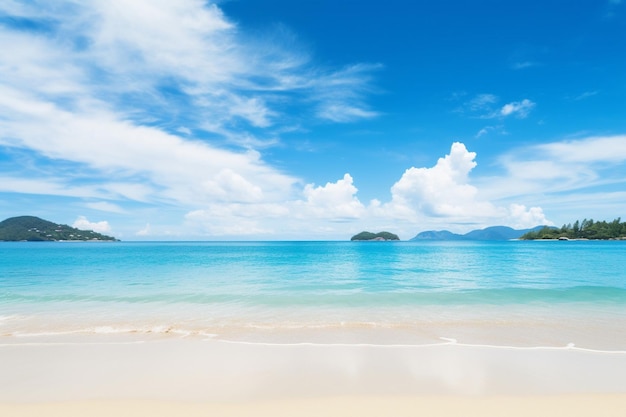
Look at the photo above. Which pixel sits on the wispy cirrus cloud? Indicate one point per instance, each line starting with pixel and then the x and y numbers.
pixel 560 167
pixel 518 109
pixel 486 106
pixel 586 95
pixel 520 65
pixel 159 101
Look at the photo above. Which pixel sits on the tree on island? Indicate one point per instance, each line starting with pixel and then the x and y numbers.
pixel 586 229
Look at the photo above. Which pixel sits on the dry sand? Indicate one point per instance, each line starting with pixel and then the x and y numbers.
pixel 181 377
pixel 536 406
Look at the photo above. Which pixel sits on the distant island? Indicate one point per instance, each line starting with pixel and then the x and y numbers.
pixel 586 229
pixel 369 236
pixel 34 229
pixel 489 233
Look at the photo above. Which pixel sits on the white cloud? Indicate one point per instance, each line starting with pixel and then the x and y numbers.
pixel 335 201
pixel 344 113
pixel 176 170
pixel 585 95
pixel 519 109
pixel 232 220
pixel 489 129
pixel 484 106
pixel 46 186
pixel 442 190
pixel 90 94
pixel 105 206
pixel 548 174
pixel 146 231
pixel 596 149
pixel 482 102
pixel 523 218
pixel 341 94
pixel 445 192
pixel 83 224
pixel 562 166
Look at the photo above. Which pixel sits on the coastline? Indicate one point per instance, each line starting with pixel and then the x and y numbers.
pixel 243 329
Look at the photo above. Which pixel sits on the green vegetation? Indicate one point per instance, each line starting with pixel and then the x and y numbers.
pixel 375 236
pixel 32 229
pixel 587 229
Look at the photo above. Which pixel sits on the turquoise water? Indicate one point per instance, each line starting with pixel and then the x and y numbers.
pixel 238 289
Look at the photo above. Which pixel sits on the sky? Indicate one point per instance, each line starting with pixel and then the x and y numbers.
pixel 311 120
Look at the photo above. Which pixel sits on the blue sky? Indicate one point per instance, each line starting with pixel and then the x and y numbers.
pixel 276 119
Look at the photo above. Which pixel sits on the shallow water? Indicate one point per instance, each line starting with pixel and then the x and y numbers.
pixel 512 293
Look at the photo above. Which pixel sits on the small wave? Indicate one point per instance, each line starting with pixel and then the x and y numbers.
pixel 446 341
pixel 112 330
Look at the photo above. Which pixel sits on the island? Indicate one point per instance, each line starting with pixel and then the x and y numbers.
pixel 380 236
pixel 34 229
pixel 581 230
pixel 487 234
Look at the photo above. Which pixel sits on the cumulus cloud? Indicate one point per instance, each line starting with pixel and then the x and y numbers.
pixel 332 201
pixel 440 195
pixel 523 218
pixel 83 224
pixel 444 191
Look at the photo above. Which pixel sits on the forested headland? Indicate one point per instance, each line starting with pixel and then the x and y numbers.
pixel 586 229
pixel 33 229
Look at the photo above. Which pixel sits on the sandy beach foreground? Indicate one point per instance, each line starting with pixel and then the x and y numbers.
pixel 537 406
pixel 166 377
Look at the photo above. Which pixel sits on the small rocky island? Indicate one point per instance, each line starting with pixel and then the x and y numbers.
pixel 369 236
pixel 34 229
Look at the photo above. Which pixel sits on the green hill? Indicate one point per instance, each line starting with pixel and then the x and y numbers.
pixel 375 236
pixel 32 229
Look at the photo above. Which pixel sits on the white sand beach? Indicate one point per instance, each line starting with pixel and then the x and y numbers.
pixel 110 376
pixel 536 406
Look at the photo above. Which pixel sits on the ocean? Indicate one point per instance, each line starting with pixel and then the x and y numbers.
pixel 510 293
